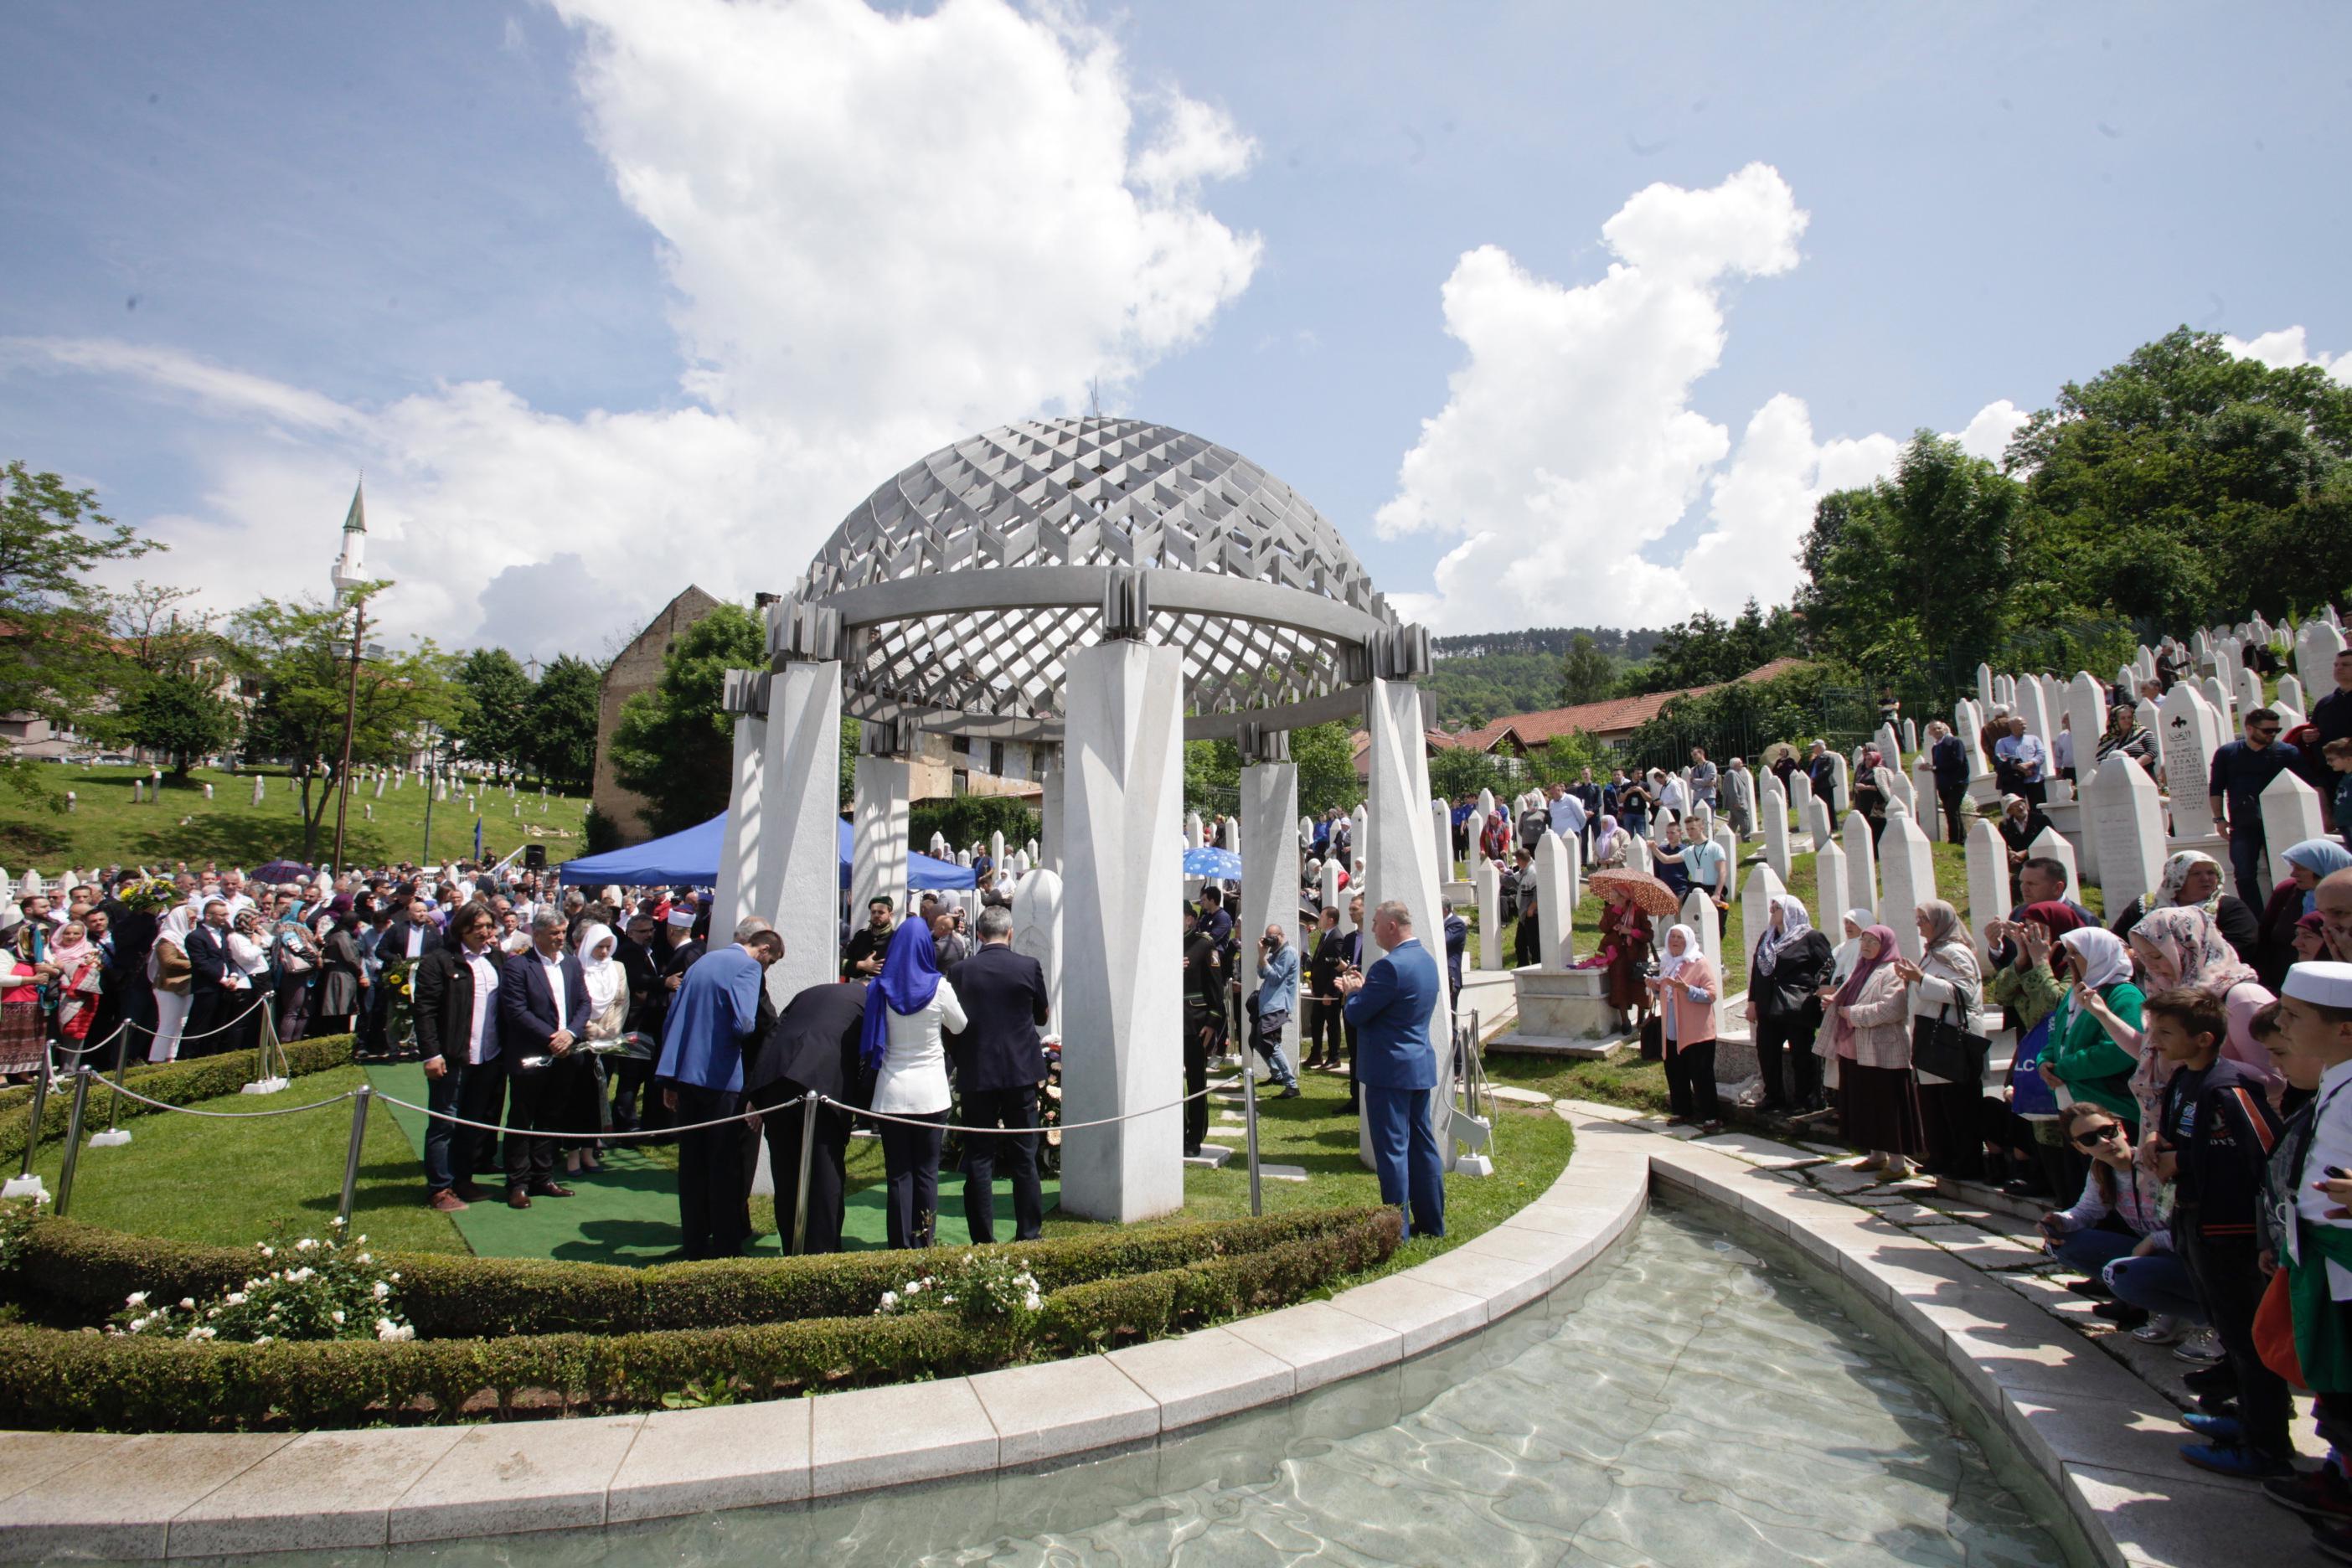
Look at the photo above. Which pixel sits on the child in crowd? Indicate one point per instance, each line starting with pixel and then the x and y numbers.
pixel 2314 1242
pixel 2212 1140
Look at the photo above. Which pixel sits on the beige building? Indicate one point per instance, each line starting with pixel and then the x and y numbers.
pixel 638 668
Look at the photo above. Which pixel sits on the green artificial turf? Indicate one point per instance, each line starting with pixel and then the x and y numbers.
pixel 106 829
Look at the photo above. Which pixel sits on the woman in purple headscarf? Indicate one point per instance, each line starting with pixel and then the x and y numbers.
pixel 907 1006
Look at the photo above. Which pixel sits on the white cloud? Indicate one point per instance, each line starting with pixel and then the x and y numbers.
pixel 1989 434
pixel 883 231
pixel 2286 348
pixel 1568 443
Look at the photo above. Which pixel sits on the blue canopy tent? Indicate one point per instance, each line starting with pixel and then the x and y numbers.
pixel 1211 861
pixel 692 859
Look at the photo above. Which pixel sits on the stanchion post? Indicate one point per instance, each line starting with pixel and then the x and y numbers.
pixel 1249 1115
pixel 800 1190
pixel 33 1133
pixel 360 1098
pixel 73 1139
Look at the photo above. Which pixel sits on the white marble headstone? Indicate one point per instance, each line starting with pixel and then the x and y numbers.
pixel 2190 732
pixel 1988 862
pixel 1861 862
pixel 1907 873
pixel 2125 821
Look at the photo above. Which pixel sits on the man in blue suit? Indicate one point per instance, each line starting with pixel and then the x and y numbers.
pixel 1388 1007
pixel 716 1017
pixel 542 1011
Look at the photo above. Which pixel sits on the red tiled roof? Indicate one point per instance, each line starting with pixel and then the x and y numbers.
pixel 1617 716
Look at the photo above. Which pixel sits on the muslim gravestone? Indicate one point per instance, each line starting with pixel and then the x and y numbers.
pixel 2190 732
pixel 1908 873
pixel 1861 863
pixel 1988 860
pixel 2126 823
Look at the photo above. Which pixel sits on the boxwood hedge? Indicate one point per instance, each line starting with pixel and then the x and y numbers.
pixel 1123 1287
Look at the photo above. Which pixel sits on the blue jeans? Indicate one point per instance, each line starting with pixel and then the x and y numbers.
pixel 2160 1282
pixel 1404 1152
pixel 2246 851
pixel 1265 1038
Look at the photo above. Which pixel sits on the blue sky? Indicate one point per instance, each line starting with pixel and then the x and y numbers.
pixel 607 297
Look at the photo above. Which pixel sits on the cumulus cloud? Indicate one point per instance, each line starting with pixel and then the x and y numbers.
pixel 2286 349
pixel 1567 448
pixel 883 231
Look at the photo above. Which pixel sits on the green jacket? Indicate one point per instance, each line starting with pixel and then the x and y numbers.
pixel 2026 997
pixel 2091 1065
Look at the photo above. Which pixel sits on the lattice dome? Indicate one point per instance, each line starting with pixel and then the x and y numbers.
pixel 1090 492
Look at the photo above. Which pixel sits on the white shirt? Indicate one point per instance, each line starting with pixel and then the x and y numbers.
pixel 914 1077
pixel 244 953
pixel 1567 815
pixel 2331 1144
pixel 554 967
pixel 486 986
pixel 415 945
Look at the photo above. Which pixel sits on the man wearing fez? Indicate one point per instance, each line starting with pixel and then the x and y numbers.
pixel 1000 1060
pixel 713 1017
pixel 1396 1066
pixel 812 1048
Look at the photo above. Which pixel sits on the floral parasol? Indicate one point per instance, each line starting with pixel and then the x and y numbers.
pixel 1648 894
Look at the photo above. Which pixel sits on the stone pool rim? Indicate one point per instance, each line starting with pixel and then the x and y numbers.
pixel 205 1494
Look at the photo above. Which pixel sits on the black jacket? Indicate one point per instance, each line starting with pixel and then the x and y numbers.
pixel 527 1007
pixel 1323 968
pixel 1789 991
pixel 392 946
pixel 1003 996
pixel 444 1006
pixel 2222 1130
pixel 207 957
pixel 813 1045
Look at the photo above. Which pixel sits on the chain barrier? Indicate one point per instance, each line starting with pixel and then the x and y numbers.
pixel 234 1115
pixel 599 1137
pixel 1016 1131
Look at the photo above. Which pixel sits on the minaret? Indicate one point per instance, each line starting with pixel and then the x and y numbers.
pixel 350 566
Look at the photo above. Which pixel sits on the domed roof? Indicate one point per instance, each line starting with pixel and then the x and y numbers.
pixel 1060 506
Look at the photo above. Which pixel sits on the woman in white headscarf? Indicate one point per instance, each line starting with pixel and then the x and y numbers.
pixel 1686 988
pixel 169 972
pixel 2194 879
pixel 1786 973
pixel 1946 983
pixel 583 1112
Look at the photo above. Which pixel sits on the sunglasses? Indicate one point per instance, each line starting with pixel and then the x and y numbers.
pixel 2097 1136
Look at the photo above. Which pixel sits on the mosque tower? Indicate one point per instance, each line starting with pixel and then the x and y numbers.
pixel 350 566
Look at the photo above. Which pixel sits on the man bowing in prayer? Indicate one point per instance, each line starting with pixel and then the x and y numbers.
pixel 1388 1006
pixel 701 1072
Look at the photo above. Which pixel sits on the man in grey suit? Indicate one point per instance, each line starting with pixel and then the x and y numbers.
pixel 1388 1006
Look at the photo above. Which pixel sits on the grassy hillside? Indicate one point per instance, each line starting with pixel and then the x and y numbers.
pixel 105 827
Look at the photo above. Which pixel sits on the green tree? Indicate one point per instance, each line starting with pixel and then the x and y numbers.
pixel 493 723
pixel 55 658
pixel 674 745
pixel 1457 771
pixel 1324 756
pixel 559 728
pixel 297 657
pixel 182 715
pixel 1586 674
pixel 1706 650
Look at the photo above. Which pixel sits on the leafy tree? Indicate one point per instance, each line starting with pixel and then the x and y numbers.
pixel 493 725
pixel 1586 674
pixel 297 657
pixel 178 713
pixel 1324 756
pixel 1706 650
pixel 674 745
pixel 559 727
pixel 1457 771
pixel 156 628
pixel 53 656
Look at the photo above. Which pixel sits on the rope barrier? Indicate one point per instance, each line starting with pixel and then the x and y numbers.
pixel 1017 1132
pixel 591 1137
pixel 234 1115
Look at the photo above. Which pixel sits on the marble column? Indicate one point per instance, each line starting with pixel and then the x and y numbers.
pixel 1861 863
pixel 1401 862
pixel 1555 898
pixel 1755 896
pixel 736 894
pixel 881 784
pixel 1830 894
pixel 1774 815
pixel 1037 933
pixel 1269 852
pixel 800 841
pixel 1123 747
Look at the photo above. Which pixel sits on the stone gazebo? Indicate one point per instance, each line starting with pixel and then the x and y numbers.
pixel 1105 589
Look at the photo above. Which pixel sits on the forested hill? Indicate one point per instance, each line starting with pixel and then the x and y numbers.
pixel 1630 647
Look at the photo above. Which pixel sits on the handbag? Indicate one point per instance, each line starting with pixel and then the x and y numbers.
pixel 1654 1039
pixel 1940 1047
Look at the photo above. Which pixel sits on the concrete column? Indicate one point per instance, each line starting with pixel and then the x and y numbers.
pixel 737 890
pixel 877 850
pixel 1049 811
pixel 1401 862
pixel 800 848
pixel 1269 852
pixel 1123 745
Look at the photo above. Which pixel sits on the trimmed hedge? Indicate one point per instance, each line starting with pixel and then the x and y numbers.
pixel 456 1295
pixel 174 1083
pixel 85 1380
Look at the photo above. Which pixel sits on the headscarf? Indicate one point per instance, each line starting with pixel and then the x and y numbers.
pixel 2193 945
pixel 1863 969
pixel 1862 919
pixel 2175 876
pixel 1795 926
pixel 174 930
pixel 2323 858
pixel 605 977
pixel 1608 840
pixel 1670 963
pixel 69 956
pixel 2010 803
pixel 1944 927
pixel 909 979
pixel 2100 954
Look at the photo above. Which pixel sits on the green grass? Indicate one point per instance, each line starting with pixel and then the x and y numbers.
pixel 1625 1079
pixel 236 1182
pixel 106 829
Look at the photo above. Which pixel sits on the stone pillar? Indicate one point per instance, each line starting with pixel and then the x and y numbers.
pixel 1907 875
pixel 1755 896
pixel 736 893
pixel 881 786
pixel 2052 842
pixel 1841 784
pixel 1801 802
pixel 2290 815
pixel 1487 878
pixel 2317 644
pixel 1400 863
pixel 1988 860
pixel 1830 891
pixel 1269 852
pixel 1775 816
pixel 1050 807
pixel 1123 745
pixel 1332 899
pixel 1555 898
pixel 2125 819
pixel 1699 914
pixel 1441 829
pixel 799 844
pixel 2189 734
pixel 1860 863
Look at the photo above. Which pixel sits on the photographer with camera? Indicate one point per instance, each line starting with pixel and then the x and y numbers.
pixel 1269 1007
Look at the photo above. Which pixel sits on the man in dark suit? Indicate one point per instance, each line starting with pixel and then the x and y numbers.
pixel 998 1062
pixel 1324 1039
pixel 410 935
pixel 811 1048
pixel 1396 1066
pixel 457 1038
pixel 1352 954
pixel 210 1003
pixel 543 1006
pixel 1204 997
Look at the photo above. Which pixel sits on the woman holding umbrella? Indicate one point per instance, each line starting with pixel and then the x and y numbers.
pixel 1627 901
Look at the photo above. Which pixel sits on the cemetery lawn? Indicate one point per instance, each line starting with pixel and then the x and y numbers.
pixel 106 829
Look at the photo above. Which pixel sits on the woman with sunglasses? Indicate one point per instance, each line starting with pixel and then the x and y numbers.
pixel 2114 1232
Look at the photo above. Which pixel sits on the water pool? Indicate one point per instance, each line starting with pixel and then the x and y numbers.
pixel 1688 1402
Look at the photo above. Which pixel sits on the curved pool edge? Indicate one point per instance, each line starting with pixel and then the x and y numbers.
pixel 216 1494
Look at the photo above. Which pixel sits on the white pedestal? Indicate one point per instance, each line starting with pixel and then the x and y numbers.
pixel 1563 1011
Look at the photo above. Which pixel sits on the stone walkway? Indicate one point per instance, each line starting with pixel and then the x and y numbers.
pixel 1997 1236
